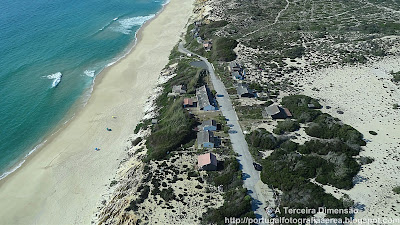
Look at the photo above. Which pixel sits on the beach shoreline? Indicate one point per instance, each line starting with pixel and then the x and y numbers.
pixel 62 182
pixel 78 105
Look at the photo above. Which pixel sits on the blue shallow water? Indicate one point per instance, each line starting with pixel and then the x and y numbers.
pixel 41 39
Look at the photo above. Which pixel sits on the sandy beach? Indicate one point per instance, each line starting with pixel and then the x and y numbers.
pixel 64 180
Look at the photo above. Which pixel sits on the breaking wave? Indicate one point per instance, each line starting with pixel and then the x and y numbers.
pixel 56 77
pixel 126 25
pixel 90 73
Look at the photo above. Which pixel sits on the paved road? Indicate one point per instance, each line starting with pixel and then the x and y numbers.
pixel 239 144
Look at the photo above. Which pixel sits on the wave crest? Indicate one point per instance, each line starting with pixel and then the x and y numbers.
pixel 56 77
pixel 126 25
pixel 90 73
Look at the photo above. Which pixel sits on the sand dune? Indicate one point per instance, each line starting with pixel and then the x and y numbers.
pixel 366 96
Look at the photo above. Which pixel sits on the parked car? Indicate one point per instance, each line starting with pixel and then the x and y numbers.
pixel 257 166
pixel 218 95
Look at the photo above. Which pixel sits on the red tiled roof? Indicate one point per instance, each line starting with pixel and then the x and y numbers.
pixel 206 159
pixel 187 101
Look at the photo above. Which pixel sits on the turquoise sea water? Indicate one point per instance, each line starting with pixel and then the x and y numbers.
pixel 50 52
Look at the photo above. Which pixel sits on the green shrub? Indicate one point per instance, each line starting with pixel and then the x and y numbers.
pixel 167 194
pixel 223 49
pixel 142 125
pixel 298 106
pixel 365 160
pixel 236 204
pixel 228 177
pixel 262 139
pixel 295 52
pixel 388 28
pixel 287 125
pixel 396 76
pixel 144 193
pixel 327 127
pixel 114 182
pixel 174 129
pixel 396 190
pixel 325 147
pixel 310 196
pixel 207 30
pixel 249 112
pixel 256 86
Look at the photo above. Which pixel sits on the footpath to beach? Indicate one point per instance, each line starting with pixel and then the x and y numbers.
pixel 64 180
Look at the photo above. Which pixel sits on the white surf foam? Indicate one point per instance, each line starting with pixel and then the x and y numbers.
pixel 90 73
pixel 4 175
pixel 56 77
pixel 125 25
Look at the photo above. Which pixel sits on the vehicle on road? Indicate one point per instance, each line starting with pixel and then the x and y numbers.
pixel 219 95
pixel 257 166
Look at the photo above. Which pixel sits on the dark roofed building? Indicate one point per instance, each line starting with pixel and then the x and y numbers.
pixel 277 112
pixel 244 91
pixel 210 125
pixel 207 161
pixel 287 112
pixel 205 139
pixel 234 66
pixel 204 100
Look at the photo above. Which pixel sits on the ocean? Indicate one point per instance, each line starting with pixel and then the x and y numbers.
pixel 50 54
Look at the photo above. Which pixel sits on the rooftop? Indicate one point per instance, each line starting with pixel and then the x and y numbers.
pixel 243 89
pixel 209 123
pixel 180 89
pixel 205 136
pixel 187 101
pixel 272 110
pixel 206 159
pixel 203 96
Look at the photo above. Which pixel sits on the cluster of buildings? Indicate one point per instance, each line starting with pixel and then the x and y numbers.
pixel 207 140
pixel 207 45
pixel 238 73
pixel 204 100
pixel 236 70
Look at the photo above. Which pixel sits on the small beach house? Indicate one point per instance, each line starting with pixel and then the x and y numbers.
pixel 205 139
pixel 277 112
pixel 210 125
pixel 204 99
pixel 244 91
pixel 207 162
